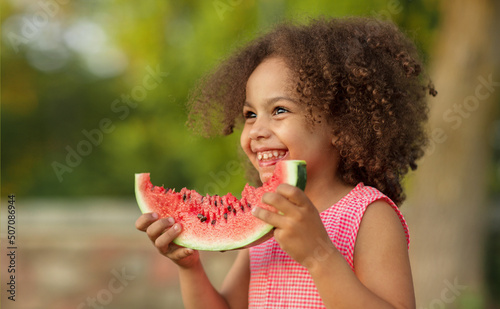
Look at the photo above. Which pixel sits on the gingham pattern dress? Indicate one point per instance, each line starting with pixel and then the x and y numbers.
pixel 277 281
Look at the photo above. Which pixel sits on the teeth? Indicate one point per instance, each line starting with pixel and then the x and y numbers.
pixel 271 155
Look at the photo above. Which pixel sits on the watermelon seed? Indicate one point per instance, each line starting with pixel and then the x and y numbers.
pixel 202 199
pixel 215 202
pixel 184 197
pixel 242 208
pixel 213 222
pixel 249 206
pixel 225 215
pixel 229 208
pixel 234 211
pixel 203 219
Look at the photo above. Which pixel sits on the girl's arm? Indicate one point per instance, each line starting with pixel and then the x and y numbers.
pixel 236 285
pixel 198 292
pixel 382 278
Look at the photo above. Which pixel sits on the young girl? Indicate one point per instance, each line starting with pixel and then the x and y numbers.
pixel 346 96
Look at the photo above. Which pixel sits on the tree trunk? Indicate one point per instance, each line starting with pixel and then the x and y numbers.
pixel 447 198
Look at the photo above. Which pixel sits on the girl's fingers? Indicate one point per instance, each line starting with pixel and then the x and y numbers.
pixel 286 198
pixel 159 227
pixel 268 216
pixel 292 194
pixel 162 232
pixel 164 241
pixel 278 201
pixel 145 220
pixel 180 253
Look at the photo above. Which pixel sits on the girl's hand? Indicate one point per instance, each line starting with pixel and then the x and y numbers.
pixel 161 232
pixel 299 229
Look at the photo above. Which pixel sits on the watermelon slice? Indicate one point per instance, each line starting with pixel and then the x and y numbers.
pixel 217 223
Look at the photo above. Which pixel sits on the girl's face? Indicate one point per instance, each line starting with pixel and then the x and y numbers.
pixel 276 127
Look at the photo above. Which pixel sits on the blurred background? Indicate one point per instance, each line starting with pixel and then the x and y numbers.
pixel 94 91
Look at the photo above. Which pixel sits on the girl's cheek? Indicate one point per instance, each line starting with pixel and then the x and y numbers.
pixel 244 142
pixel 243 137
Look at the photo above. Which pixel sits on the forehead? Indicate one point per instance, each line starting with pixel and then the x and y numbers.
pixel 271 77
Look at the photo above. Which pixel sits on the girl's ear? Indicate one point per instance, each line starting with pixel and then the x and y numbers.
pixel 334 140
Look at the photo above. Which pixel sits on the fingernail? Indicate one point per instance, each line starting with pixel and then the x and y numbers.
pixel 170 220
pixel 176 227
pixel 154 215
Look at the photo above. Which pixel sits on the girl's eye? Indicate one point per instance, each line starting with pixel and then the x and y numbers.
pixel 280 110
pixel 249 114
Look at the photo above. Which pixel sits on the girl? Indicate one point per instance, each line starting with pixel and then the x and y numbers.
pixel 346 96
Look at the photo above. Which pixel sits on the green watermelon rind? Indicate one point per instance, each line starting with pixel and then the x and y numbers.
pixel 192 243
pixel 295 175
pixel 138 195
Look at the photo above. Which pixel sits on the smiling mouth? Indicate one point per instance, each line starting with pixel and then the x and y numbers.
pixel 270 155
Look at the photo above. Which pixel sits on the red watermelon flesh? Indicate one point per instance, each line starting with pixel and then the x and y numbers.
pixel 217 223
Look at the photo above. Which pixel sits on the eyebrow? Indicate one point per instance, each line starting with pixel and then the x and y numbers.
pixel 273 100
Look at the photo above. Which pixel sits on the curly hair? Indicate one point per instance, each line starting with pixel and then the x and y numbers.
pixel 363 75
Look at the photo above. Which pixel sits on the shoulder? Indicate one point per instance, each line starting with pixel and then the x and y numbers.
pixel 365 201
pixel 381 234
pixel 382 217
pixel 380 212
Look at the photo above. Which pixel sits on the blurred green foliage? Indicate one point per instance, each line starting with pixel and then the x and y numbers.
pixel 68 67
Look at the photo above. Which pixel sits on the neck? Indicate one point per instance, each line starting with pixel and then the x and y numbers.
pixel 326 190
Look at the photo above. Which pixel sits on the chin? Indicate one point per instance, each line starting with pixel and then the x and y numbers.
pixel 265 176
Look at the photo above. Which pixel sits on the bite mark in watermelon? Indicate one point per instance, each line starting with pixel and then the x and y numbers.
pixel 217 223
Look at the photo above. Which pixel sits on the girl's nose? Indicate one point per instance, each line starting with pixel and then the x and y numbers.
pixel 260 129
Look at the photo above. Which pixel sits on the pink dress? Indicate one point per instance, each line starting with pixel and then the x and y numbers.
pixel 277 281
